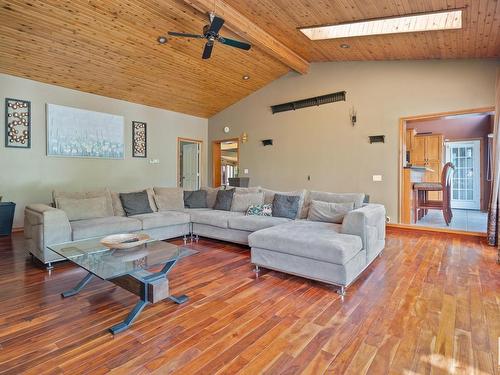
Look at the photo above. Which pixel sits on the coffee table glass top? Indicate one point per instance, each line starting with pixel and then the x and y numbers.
pixel 106 263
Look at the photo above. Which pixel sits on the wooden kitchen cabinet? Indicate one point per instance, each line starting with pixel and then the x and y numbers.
pixel 410 138
pixel 427 151
pixel 418 153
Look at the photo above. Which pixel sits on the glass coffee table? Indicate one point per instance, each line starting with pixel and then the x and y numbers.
pixel 127 268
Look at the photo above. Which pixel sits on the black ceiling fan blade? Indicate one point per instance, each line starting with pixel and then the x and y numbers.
pixel 184 35
pixel 235 43
pixel 207 51
pixel 216 25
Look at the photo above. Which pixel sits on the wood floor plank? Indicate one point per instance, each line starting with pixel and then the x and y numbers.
pixel 429 304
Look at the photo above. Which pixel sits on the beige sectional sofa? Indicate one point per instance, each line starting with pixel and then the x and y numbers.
pixel 332 253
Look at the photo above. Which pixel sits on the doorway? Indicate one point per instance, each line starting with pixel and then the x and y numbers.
pixel 225 161
pixel 466 181
pixel 427 143
pixel 189 163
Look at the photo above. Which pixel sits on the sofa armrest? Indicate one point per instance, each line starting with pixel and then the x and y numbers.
pixel 367 222
pixel 45 225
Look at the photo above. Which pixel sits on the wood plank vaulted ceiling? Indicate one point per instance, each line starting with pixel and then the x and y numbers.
pixel 109 47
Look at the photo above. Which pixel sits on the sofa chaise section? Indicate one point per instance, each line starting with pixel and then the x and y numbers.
pixel 331 253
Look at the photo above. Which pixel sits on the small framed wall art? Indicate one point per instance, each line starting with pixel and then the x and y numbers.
pixel 17 123
pixel 139 140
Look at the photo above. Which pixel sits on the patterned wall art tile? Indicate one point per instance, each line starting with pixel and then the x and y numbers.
pixel 139 140
pixel 17 123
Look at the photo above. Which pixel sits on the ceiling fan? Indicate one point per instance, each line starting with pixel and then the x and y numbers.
pixel 211 34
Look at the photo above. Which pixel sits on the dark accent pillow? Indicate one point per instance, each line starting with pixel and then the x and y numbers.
pixel 195 199
pixel 286 205
pixel 135 203
pixel 224 200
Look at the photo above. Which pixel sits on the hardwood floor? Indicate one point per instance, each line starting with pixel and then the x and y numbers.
pixel 430 304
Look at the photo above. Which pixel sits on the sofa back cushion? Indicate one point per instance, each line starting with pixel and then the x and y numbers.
pixel 117 203
pixel 329 212
pixel 83 208
pixel 323 196
pixel 195 199
pixel 269 198
pixel 86 194
pixel 171 198
pixel 136 203
pixel 224 200
pixel 241 201
pixel 253 189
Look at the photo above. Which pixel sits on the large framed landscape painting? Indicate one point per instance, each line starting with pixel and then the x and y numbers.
pixel 79 133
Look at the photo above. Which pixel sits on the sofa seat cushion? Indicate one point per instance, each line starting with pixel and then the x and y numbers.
pixel 254 223
pixel 162 219
pixel 314 240
pixel 103 226
pixel 216 218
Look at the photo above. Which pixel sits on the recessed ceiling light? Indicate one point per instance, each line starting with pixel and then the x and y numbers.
pixel 162 39
pixel 443 20
pixel 246 77
pixel 343 45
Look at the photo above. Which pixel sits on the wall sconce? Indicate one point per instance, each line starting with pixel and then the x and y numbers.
pixel 352 115
pixel 244 137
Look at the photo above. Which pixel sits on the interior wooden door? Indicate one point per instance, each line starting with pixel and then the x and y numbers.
pixel 216 164
pixel 417 154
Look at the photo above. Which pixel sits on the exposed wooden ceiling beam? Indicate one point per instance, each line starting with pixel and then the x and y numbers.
pixel 241 25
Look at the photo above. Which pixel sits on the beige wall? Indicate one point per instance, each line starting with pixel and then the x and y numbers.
pixel 320 141
pixel 28 176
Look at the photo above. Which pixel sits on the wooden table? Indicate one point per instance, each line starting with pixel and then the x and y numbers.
pixel 127 268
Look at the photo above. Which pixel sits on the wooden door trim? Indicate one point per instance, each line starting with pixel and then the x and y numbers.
pixel 418 228
pixel 178 168
pixel 219 141
pixel 402 142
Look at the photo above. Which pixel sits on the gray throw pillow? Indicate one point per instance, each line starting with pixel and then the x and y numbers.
pixel 195 199
pixel 224 200
pixel 135 203
pixel 286 206
pixel 329 212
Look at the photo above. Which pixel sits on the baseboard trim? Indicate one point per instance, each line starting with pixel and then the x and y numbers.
pixel 418 228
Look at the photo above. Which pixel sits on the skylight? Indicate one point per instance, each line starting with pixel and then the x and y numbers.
pixel 445 20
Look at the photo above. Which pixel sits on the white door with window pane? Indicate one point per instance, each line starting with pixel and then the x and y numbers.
pixel 465 185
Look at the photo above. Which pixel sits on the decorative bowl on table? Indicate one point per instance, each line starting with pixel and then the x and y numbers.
pixel 125 241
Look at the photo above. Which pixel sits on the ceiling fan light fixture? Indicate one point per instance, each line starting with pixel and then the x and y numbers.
pixel 162 39
pixel 410 23
pixel 211 34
